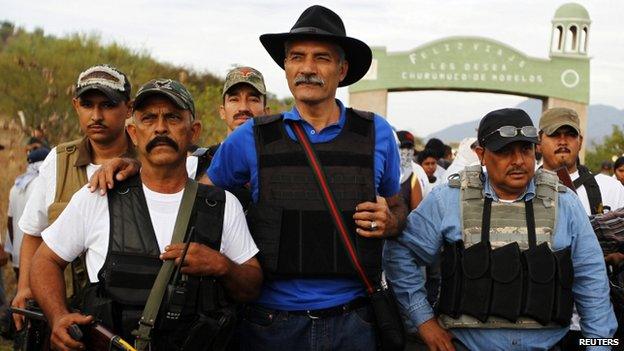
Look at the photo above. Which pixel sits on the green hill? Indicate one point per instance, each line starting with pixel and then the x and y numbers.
pixel 38 72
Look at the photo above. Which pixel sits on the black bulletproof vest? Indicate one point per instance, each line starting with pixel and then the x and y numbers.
pixel 132 262
pixel 594 197
pixel 290 222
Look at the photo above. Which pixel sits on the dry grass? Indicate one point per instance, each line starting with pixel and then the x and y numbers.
pixel 12 163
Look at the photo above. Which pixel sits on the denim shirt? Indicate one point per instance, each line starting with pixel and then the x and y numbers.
pixel 437 220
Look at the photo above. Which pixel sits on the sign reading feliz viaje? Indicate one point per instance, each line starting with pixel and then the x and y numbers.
pixel 477 64
pixel 485 65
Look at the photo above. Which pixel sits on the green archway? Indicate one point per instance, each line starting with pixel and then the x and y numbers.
pixel 485 65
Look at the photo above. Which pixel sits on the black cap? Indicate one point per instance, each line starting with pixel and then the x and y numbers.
pixel 106 79
pixel 499 118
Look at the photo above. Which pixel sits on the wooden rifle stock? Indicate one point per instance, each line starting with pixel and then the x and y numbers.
pixel 564 178
pixel 94 335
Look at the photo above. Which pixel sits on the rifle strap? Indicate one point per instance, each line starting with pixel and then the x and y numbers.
pixel 154 300
pixel 330 202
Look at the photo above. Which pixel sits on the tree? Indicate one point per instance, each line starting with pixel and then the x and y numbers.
pixel 613 145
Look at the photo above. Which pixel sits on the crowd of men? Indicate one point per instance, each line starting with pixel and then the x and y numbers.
pixel 298 220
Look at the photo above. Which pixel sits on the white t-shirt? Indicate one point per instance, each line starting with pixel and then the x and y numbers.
pixel 611 191
pixel 35 217
pixel 84 226
pixel 17 202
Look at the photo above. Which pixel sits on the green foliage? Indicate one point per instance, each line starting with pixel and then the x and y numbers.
pixel 39 72
pixel 613 145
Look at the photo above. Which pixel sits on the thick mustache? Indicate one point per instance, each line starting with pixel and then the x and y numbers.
pixel 562 150
pixel 243 114
pixel 309 79
pixel 161 140
pixel 96 124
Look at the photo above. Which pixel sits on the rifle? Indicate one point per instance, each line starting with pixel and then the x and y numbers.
pixel 94 335
pixel 564 178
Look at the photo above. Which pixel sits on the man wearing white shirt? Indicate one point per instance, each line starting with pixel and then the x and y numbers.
pixel 127 233
pixel 560 144
pixel 102 103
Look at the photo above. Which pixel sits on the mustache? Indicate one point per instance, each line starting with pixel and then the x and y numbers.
pixel 516 170
pixel 309 79
pixel 246 114
pixel 96 124
pixel 161 140
pixel 562 150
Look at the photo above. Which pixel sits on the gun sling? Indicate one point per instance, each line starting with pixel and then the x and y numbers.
pixel 389 324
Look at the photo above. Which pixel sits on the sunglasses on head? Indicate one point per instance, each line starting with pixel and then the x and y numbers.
pixel 512 131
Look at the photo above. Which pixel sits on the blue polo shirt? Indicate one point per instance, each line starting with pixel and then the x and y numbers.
pixel 236 164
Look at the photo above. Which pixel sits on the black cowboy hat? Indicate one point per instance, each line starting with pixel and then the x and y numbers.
pixel 320 23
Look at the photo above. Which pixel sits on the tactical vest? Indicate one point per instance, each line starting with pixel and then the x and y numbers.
pixel 69 179
pixel 290 222
pixel 508 281
pixel 132 264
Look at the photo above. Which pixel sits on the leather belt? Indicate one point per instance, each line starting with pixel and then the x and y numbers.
pixel 333 311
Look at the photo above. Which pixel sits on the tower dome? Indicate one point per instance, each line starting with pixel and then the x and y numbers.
pixel 570 31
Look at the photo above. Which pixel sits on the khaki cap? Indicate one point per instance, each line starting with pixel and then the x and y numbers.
pixel 557 117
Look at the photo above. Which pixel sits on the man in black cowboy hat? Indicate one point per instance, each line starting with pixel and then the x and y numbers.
pixel 312 298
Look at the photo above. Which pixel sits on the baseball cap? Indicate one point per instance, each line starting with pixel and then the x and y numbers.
pixel 406 139
pixel 494 126
pixel 557 117
pixel 106 79
pixel 246 75
pixel 171 89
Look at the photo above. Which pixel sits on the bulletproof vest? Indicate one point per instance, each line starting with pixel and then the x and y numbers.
pixel 132 264
pixel 594 197
pixel 290 222
pixel 69 179
pixel 503 274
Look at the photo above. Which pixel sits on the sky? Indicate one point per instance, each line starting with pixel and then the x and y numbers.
pixel 212 36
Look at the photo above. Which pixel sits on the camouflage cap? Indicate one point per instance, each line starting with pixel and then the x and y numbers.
pixel 246 75
pixel 171 89
pixel 557 117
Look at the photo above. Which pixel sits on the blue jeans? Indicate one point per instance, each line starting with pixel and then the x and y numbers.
pixel 265 329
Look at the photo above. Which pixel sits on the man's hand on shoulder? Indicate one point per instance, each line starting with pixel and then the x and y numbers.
pixel 436 337
pixel 381 219
pixel 199 260
pixel 60 339
pixel 111 171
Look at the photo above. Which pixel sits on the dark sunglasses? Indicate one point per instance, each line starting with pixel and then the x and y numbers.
pixel 512 131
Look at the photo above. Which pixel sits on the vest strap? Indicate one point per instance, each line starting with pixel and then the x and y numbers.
pixel 152 306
